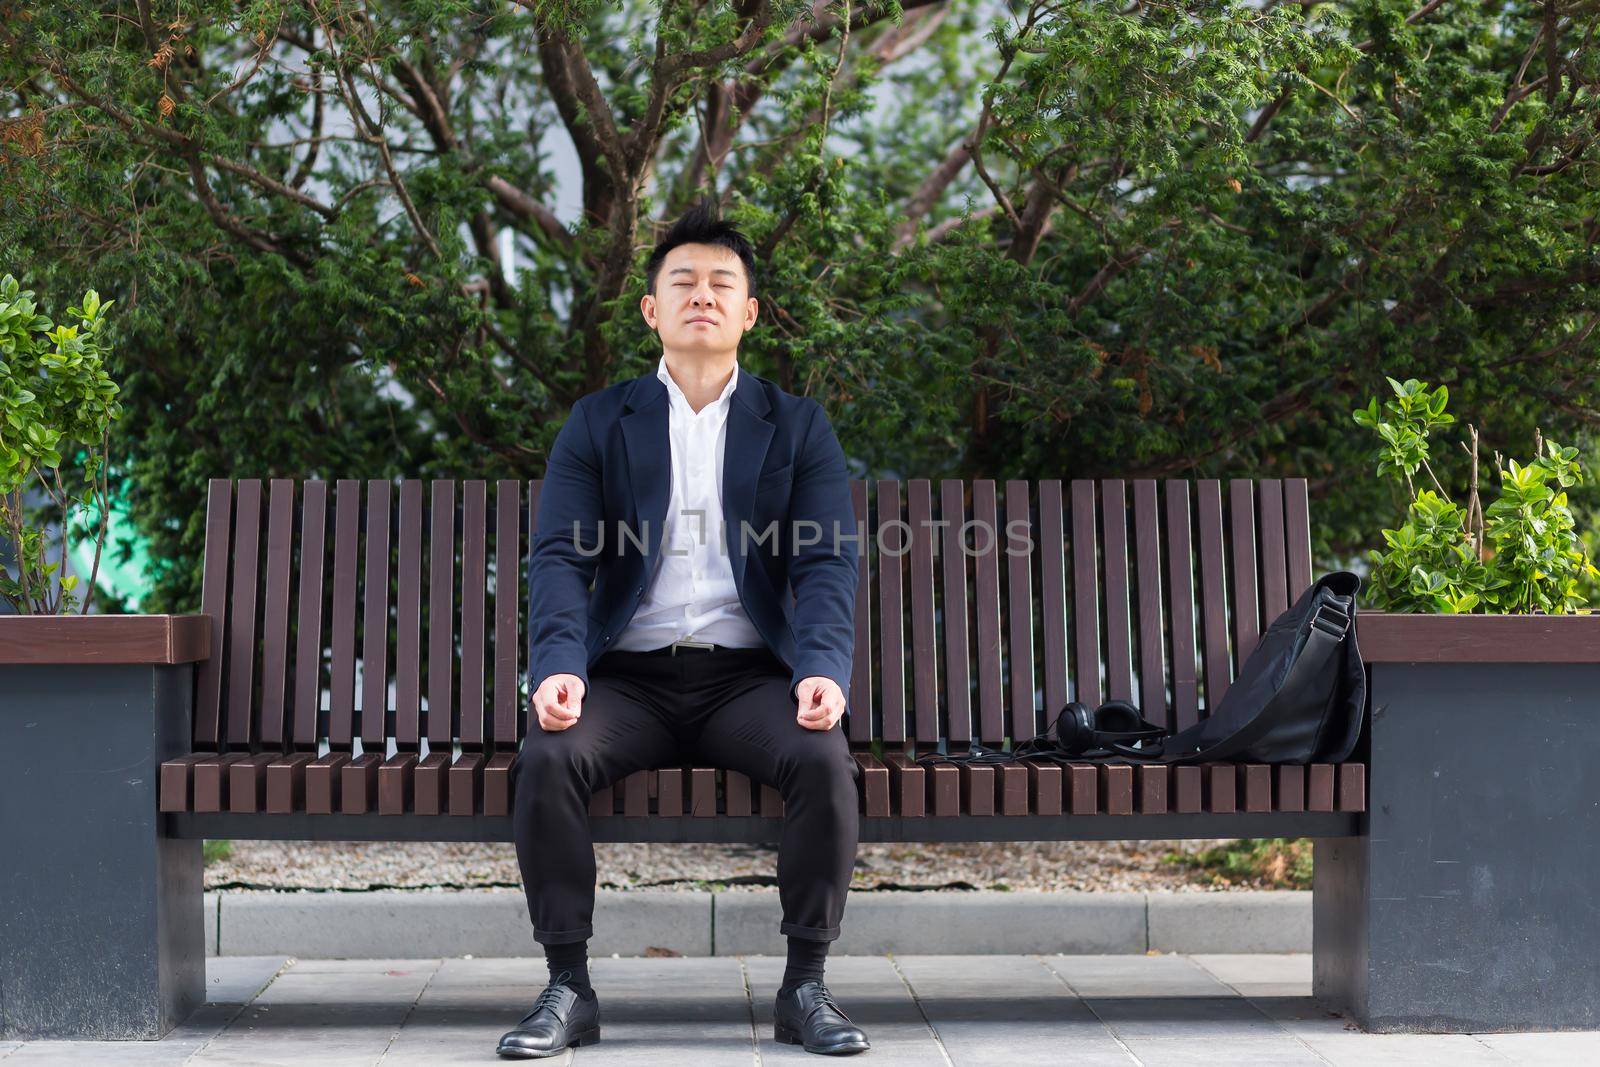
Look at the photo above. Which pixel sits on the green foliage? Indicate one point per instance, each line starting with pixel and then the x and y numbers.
pixel 55 396
pixel 215 851
pixel 1523 555
pixel 1189 236
pixel 1266 863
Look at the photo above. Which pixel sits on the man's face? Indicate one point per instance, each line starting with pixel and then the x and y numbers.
pixel 702 301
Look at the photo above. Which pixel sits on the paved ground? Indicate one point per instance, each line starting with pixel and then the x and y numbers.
pixel 918 1010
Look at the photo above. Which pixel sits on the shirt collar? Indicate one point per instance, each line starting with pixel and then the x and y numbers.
pixel 676 393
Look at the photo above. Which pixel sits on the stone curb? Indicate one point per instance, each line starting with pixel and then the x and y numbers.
pixel 494 923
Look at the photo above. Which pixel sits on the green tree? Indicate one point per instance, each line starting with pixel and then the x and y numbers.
pixel 1020 239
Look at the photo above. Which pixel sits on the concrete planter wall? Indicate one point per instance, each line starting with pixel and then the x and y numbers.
pixel 100 915
pixel 1464 906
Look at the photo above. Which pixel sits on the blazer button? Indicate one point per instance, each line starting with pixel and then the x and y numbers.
pixel 639 591
pixel 607 641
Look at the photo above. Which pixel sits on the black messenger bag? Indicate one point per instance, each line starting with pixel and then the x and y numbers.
pixel 1300 697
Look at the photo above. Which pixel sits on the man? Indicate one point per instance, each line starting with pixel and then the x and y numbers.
pixel 695 499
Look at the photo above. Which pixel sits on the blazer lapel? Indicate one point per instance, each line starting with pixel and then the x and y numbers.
pixel 649 448
pixel 744 452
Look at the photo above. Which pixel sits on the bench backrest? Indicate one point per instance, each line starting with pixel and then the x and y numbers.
pixel 980 610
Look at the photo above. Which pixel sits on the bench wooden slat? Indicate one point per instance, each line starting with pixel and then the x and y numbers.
pixel 1185 709
pixel 308 641
pixel 1154 782
pixel 509 566
pixel 1242 543
pixel 1291 787
pixel 247 783
pixel 944 790
pixel 1274 557
pixel 1147 576
pixel 242 612
pixel 669 791
pixel 275 623
pixel 1019 532
pixel 1012 789
pixel 891 605
pixel 859 716
pixel 907 783
pixel 375 620
pixel 324 777
pixel 474 605
pixel 1257 787
pixel 442 613
pixel 1352 787
pixel 986 583
pixel 430 794
pixel 1083 788
pixel 396 778
pixel 957 667
pixel 1319 787
pixel 1221 787
pixel 1116 788
pixel 1085 598
pixel 346 530
pixel 738 798
pixel 408 619
pixel 924 642
pixel 497 784
pixel 603 801
pixel 214 603
pixel 1051 545
pixel 466 783
pixel 872 785
pixel 358 784
pixel 702 792
pixel 286 783
pixel 1188 789
pixel 1213 593
pixel 1119 623
pixel 1297 523
pixel 1044 786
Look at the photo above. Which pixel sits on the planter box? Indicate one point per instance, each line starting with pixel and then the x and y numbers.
pixel 100 913
pixel 1463 905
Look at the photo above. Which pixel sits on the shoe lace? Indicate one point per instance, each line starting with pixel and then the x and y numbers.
pixel 824 999
pixel 551 996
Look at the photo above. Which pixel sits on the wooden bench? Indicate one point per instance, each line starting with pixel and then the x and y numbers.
pixel 368 676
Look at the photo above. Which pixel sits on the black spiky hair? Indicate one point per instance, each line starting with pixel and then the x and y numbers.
pixel 700 225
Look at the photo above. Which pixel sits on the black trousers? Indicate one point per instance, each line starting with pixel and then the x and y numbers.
pixel 724 707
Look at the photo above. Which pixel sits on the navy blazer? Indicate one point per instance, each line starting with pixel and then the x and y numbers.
pixel 603 506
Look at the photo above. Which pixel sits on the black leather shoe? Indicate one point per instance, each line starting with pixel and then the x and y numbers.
pixel 560 1018
pixel 808 1016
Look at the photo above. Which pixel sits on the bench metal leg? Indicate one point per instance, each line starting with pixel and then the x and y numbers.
pixel 101 922
pixel 1464 908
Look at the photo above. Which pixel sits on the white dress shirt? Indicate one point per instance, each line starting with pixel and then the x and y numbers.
pixel 692 596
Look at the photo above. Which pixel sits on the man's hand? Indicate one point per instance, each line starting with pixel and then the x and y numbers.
pixel 559 701
pixel 821 703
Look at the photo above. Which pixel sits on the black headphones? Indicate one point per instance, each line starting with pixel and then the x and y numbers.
pixel 1078 730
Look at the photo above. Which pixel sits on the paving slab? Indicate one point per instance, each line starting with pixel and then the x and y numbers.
pixel 1136 976
pixel 347 1011
pixel 871 992
pixel 1004 1010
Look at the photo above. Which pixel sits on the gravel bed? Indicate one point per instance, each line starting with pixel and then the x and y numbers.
pixel 1081 865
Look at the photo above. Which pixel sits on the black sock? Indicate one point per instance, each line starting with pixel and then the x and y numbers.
pixel 573 959
pixel 806 959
